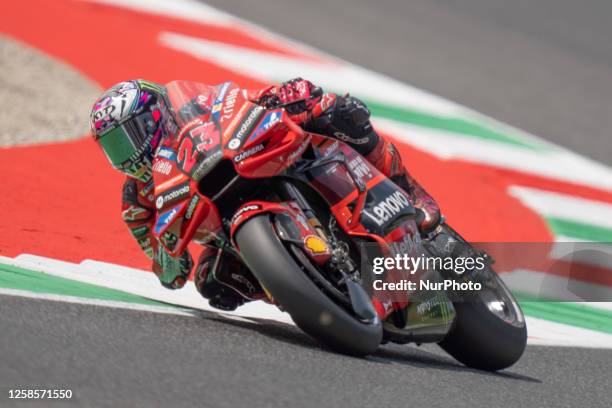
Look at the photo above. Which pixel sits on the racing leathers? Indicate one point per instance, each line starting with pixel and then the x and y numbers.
pixel 342 117
pixel 138 212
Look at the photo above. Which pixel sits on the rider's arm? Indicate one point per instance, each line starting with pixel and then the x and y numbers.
pixel 139 214
pixel 306 101
pixel 344 117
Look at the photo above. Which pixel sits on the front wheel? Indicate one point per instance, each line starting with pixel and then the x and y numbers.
pixel 313 311
pixel 489 331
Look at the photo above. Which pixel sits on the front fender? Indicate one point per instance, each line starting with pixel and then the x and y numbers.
pixel 290 217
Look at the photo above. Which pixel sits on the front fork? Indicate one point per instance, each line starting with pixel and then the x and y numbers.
pixel 340 260
pixel 340 257
pixel 290 192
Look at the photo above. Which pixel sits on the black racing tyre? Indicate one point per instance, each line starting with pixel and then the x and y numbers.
pixel 312 311
pixel 482 339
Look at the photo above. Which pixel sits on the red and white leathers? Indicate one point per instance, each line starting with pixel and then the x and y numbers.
pixel 343 117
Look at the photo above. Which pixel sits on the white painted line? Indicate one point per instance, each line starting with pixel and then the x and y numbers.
pixel 552 204
pixel 96 302
pixel 140 283
pixel 547 333
pixel 188 296
pixel 584 252
pixel 600 305
pixel 553 287
pixel 552 163
pixel 184 9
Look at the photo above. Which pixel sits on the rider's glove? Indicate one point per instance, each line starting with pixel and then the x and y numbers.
pixel 298 96
pixel 172 272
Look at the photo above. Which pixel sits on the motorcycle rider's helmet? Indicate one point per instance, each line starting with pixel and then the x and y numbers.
pixel 128 122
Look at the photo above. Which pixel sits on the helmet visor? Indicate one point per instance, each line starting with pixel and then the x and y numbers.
pixel 129 140
pixel 118 146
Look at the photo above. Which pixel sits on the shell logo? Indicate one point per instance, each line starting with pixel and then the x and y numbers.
pixel 316 245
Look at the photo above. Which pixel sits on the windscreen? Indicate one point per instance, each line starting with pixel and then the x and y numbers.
pixel 191 100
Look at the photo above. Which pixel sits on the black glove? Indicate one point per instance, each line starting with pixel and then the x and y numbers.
pixel 347 120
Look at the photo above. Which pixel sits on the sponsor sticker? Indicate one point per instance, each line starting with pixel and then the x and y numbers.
pixel 245 209
pixel 165 219
pixel 162 167
pixel 228 105
pixel 234 144
pixel 315 245
pixel 387 208
pixel 298 152
pixel 218 103
pixel 360 168
pixel 248 153
pixel 166 153
pixel 331 148
pixel 190 125
pixel 266 124
pixel 207 164
pixel 406 245
pixel 191 208
pixel 222 90
pixel 169 183
pixel 172 195
pixel 246 127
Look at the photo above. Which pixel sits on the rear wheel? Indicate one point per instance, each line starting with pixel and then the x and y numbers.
pixel 310 308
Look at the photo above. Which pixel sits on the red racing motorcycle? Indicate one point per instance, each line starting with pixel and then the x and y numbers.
pixel 308 215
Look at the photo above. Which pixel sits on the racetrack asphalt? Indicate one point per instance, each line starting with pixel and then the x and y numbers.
pixel 113 357
pixel 543 66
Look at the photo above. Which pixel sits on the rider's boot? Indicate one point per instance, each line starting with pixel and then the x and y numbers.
pixel 224 280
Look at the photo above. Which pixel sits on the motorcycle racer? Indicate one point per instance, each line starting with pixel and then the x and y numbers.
pixel 132 119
